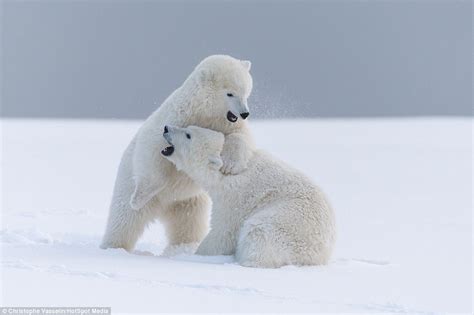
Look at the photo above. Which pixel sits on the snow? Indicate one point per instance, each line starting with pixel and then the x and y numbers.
pixel 401 189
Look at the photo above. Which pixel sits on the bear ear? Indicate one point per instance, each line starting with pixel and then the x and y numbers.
pixel 247 64
pixel 215 162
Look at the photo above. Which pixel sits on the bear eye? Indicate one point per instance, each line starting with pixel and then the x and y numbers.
pixel 230 95
pixel 188 135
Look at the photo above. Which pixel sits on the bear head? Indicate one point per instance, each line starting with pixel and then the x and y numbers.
pixel 230 83
pixel 193 149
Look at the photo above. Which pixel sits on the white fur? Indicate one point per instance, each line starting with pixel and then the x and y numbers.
pixel 269 215
pixel 149 187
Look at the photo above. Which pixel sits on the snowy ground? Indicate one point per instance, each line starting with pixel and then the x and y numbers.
pixel 401 189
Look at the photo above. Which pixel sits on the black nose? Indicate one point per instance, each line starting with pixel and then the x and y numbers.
pixel 244 115
pixel 166 129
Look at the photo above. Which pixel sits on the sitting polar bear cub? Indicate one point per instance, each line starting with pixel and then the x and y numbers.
pixel 269 215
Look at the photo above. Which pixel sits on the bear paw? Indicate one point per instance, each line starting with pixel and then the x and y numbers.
pixel 232 166
pixel 181 249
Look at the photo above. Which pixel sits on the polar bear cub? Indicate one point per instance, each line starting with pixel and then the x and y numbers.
pixel 269 215
pixel 148 187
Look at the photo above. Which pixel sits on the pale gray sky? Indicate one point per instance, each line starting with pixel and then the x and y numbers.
pixel 107 59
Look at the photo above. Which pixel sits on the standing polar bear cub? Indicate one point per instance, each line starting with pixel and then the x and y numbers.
pixel 149 187
pixel 269 215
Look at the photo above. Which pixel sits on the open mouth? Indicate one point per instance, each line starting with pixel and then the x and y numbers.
pixel 231 117
pixel 168 150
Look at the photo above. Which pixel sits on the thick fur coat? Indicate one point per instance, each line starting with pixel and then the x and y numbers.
pixel 149 187
pixel 269 215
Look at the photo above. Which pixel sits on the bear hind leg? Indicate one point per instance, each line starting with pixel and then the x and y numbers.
pixel 124 227
pixel 186 223
pixel 257 248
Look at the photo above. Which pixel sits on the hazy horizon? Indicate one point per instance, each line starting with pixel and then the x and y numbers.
pixel 309 59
